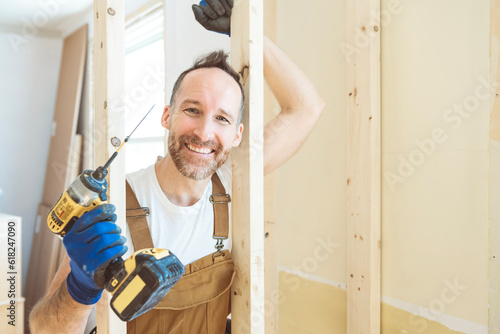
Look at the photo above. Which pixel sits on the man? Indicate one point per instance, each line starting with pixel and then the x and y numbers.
pixel 203 120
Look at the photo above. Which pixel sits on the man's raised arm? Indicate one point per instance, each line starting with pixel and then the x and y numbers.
pixel 300 105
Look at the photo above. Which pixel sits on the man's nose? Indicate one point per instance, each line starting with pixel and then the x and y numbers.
pixel 204 130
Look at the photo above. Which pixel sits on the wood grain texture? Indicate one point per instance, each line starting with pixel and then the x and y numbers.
pixel 109 90
pixel 494 177
pixel 247 303
pixel 363 168
pixel 270 262
pixel 495 70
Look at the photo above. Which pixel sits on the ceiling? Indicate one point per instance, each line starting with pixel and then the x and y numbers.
pixel 45 14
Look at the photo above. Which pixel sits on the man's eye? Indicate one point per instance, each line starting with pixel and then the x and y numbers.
pixel 191 111
pixel 223 119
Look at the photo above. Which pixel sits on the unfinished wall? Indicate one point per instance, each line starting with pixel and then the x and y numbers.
pixel 435 131
pixel 30 70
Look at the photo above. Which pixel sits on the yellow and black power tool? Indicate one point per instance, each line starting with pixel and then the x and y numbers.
pixel 138 283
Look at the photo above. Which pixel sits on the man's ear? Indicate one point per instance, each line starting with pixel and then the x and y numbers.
pixel 239 135
pixel 165 117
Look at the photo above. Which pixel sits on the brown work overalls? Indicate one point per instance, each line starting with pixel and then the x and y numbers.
pixel 200 301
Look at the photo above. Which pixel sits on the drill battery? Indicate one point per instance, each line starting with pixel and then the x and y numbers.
pixel 140 282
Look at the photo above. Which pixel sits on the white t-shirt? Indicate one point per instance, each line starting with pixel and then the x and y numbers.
pixel 185 231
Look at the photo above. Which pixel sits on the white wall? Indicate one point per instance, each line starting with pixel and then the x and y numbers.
pixel 28 87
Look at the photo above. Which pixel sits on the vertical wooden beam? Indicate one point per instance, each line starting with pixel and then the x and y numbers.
pixel 494 195
pixel 248 178
pixel 109 121
pixel 363 167
pixel 270 264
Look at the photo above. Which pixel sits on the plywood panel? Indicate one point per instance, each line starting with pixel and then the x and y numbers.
pixel 66 114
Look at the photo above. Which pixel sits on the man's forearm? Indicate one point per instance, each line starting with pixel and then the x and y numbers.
pixel 59 313
pixel 300 103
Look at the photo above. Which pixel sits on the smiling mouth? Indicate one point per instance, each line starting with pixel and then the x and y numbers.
pixel 201 150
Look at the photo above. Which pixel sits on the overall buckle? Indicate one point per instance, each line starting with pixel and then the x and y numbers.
pixel 144 209
pixel 219 246
pixel 211 199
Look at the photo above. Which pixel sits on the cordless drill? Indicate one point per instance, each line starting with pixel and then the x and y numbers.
pixel 136 284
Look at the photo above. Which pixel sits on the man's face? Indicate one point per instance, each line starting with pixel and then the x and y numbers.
pixel 202 124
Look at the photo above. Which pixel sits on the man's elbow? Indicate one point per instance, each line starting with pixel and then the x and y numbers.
pixel 319 106
pixel 316 108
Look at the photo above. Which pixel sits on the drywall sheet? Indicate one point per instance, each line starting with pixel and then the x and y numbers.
pixel 435 142
pixel 310 306
pixel 65 115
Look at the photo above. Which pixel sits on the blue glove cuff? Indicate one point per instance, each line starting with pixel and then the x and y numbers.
pixel 80 293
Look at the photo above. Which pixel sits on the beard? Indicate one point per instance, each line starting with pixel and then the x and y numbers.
pixel 191 166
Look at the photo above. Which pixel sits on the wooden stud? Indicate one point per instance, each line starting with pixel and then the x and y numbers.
pixel 109 121
pixel 247 301
pixel 363 169
pixel 270 263
pixel 494 186
pixel 495 71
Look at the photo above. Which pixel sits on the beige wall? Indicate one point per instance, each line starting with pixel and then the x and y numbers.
pixel 435 166
pixel 435 221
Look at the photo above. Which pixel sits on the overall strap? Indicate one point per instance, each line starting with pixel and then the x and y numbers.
pixel 220 201
pixel 136 220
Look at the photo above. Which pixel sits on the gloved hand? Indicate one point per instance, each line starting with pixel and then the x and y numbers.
pixel 92 242
pixel 214 15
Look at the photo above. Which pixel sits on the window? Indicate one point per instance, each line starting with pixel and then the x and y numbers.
pixel 144 86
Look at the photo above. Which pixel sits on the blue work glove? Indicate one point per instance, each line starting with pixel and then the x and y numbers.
pixel 91 244
pixel 214 15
